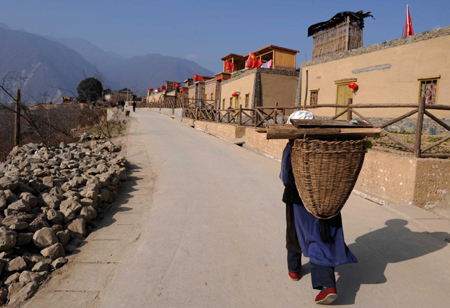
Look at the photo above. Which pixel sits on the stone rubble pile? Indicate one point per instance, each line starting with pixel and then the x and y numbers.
pixel 48 198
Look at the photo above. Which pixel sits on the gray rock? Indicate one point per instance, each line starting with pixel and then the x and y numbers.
pixel 90 192
pixel 77 181
pixel 29 276
pixel 52 201
pixel 55 216
pixel 30 198
pixel 77 226
pixel 24 238
pixel 56 191
pixel 19 226
pixel 88 213
pixel 7 183
pixel 41 267
pixel 105 195
pixel 3 202
pixel 11 219
pixel 39 223
pixel 15 265
pixel 20 206
pixel 70 248
pixel 41 173
pixel 10 196
pixel 14 288
pixel 8 239
pixel 58 263
pixel 48 181
pixel 66 186
pixel 44 237
pixel 3 295
pixel 22 187
pixel 69 209
pixel 63 237
pixel 22 294
pixel 56 228
pixel 11 279
pixel 122 174
pixel 55 251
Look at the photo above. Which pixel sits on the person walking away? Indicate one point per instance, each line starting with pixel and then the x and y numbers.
pixel 320 240
pixel 134 106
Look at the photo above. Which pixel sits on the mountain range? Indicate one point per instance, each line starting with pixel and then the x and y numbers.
pixel 55 66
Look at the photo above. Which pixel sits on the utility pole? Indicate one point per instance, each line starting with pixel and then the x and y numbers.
pixel 17 119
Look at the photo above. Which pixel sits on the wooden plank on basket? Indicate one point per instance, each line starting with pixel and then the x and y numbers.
pixel 294 133
pixel 327 123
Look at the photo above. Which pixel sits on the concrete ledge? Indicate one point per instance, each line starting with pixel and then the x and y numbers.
pixel 224 131
pixel 259 142
pixel 188 121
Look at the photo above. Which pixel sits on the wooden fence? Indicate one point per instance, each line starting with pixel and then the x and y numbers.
pixel 263 116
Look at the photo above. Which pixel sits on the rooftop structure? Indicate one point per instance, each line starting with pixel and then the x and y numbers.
pixel 341 33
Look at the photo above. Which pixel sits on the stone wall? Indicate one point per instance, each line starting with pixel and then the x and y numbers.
pixel 259 142
pixel 224 131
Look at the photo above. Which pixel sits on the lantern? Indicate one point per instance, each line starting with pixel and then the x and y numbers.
pixel 353 86
pixel 234 94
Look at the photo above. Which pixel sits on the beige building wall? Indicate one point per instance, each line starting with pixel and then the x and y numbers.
pixel 191 93
pixel 210 91
pixel 154 97
pixel 278 89
pixel 244 85
pixel 397 82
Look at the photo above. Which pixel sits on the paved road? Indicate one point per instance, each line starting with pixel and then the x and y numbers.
pixel 211 233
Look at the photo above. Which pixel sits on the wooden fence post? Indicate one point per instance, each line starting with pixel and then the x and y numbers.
pixel 349 110
pixel 419 126
pixel 275 113
pixel 240 115
pixel 17 119
pixel 196 113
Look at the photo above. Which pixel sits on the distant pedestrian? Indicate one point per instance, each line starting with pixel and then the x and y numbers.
pixel 122 105
pixel 134 106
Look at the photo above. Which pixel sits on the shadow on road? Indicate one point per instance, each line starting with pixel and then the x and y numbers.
pixel 125 193
pixel 375 250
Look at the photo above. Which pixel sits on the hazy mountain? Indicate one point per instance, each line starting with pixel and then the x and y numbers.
pixel 96 56
pixel 152 70
pixel 49 66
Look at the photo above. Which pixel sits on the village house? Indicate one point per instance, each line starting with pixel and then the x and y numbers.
pixel 260 86
pixel 398 71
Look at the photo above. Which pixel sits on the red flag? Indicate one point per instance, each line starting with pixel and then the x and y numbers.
pixel 253 61
pixel 163 87
pixel 408 25
pixel 176 85
pixel 159 90
pixel 227 65
pixel 198 78
pixel 150 89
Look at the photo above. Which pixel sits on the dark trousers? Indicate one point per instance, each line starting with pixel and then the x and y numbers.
pixel 321 276
pixel 134 108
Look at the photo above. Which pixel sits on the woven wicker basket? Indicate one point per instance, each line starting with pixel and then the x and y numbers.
pixel 325 173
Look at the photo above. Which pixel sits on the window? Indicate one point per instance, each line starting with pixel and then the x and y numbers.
pixel 212 97
pixel 247 98
pixel 236 102
pixel 223 104
pixel 231 102
pixel 314 97
pixel 206 97
pixel 428 89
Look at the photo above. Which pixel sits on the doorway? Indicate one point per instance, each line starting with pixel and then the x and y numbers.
pixel 343 94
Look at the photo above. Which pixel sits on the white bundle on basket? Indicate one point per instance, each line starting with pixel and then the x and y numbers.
pixel 300 115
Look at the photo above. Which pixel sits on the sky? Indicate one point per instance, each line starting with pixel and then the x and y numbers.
pixel 206 30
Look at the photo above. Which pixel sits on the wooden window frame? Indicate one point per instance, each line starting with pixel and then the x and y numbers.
pixel 310 96
pixel 247 100
pixel 429 78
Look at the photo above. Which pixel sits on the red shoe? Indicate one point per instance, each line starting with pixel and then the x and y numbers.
pixel 294 276
pixel 326 296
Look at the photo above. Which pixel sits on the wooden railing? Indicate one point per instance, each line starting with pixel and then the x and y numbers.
pixel 263 116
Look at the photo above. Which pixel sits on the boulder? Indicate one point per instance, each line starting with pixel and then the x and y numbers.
pixel 63 237
pixel 30 198
pixel 41 267
pixel 77 226
pixel 66 186
pixel 52 201
pixel 58 263
pixel 19 226
pixel 29 276
pixel 8 239
pixel 88 213
pixel 55 216
pixel 69 209
pixel 55 251
pixel 7 183
pixel 90 192
pixel 21 294
pixel 39 223
pixel 11 279
pixel 44 237
pixel 24 238
pixel 10 196
pixel 3 202
pixel 15 265
pixel 3 295
pixel 11 219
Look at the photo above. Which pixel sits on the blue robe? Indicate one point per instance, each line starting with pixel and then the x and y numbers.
pixel 307 226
